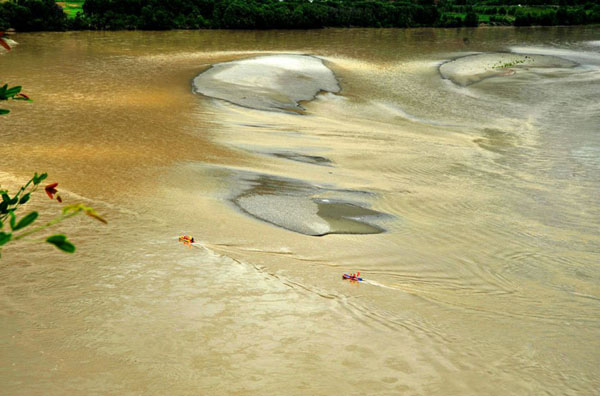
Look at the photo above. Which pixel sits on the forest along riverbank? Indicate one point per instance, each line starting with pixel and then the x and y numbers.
pixel 472 155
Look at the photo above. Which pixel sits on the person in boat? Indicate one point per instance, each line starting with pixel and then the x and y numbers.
pixel 188 240
pixel 353 277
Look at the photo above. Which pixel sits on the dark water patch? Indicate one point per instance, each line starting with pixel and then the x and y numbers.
pixel 348 218
pixel 308 159
pixel 495 140
pixel 255 125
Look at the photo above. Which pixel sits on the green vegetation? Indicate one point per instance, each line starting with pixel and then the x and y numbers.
pixel 32 15
pixel 14 228
pixel 506 65
pixel 71 8
pixel 523 13
pixel 13 93
pixel 290 14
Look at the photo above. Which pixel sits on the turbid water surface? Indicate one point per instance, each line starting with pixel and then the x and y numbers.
pixel 457 169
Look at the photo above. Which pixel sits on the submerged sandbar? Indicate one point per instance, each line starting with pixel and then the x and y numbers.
pixel 301 207
pixel 470 69
pixel 273 82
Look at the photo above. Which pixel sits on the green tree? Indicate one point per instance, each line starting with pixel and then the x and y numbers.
pixel 471 19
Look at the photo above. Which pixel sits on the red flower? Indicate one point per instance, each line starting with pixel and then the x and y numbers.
pixel 4 44
pixel 51 190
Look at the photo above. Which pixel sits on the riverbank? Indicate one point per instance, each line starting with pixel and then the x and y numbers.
pixel 30 15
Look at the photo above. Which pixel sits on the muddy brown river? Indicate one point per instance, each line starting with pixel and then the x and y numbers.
pixel 457 169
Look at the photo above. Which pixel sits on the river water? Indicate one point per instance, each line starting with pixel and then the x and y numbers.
pixel 484 281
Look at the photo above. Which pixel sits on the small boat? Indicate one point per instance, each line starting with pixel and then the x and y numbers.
pixel 187 240
pixel 353 277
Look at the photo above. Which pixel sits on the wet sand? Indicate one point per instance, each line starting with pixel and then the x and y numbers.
pixel 474 68
pixel 276 82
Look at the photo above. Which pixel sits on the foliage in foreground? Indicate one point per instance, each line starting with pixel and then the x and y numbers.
pixel 14 227
pixel 7 93
pixel 14 93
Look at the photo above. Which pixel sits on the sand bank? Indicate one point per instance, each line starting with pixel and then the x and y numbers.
pixel 474 68
pixel 274 82
pixel 307 209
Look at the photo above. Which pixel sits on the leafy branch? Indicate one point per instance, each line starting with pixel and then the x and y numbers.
pixel 7 93
pixel 13 93
pixel 9 205
pixel 19 226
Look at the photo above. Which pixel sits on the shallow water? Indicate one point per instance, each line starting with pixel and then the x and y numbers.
pixel 485 280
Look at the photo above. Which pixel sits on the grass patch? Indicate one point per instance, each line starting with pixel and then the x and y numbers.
pixel 71 8
pixel 461 15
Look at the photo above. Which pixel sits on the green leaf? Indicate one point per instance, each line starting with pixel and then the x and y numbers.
pixel 25 221
pixel 60 241
pixel 5 197
pixel 56 238
pixel 4 237
pixel 4 111
pixel 12 219
pixel 24 198
pixel 38 179
pixel 13 91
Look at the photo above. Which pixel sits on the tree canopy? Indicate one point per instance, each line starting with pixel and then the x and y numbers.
pixel 31 15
